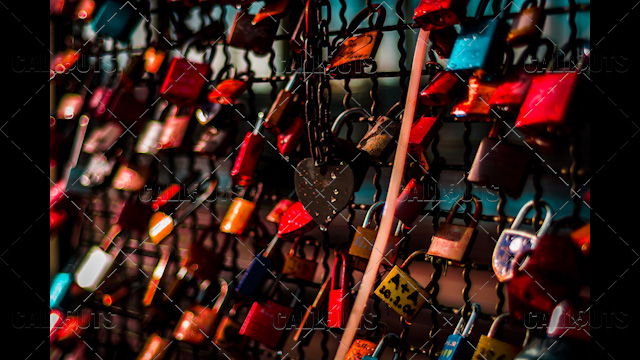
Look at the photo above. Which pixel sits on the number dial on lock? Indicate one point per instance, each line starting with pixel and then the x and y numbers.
pixel 324 195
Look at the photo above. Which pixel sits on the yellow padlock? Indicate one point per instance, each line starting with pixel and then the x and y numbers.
pixel 490 348
pixel 401 292
pixel 362 243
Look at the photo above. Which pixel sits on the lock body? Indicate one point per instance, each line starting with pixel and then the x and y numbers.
pixel 69 106
pixel 266 322
pixel 511 92
pixel 214 141
pixel 379 140
pixel 510 244
pixel 93 268
pixel 149 141
pixel 362 246
pixel 131 177
pixel 184 81
pixel 228 91
pixel 479 47
pixel 289 138
pixel 354 54
pixel 154 349
pixel 493 349
pixel 443 89
pixel 476 106
pixel 439 14
pixel 500 165
pixel 361 348
pixel 339 307
pixel 195 325
pixel 60 285
pixel 275 215
pixel 173 131
pixel 238 215
pixel 548 104
pixel 103 139
pixel 256 37
pixel 451 241
pixel 402 293
pixel 422 133
pixel 245 165
pixel 254 275
pixel 228 337
pixel 299 267
pixel 456 347
pixel 413 198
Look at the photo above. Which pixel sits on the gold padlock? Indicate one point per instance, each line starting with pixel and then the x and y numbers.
pixel 401 292
pixel 362 243
pixel 453 241
pixel 490 348
pixel 297 265
pixel 239 213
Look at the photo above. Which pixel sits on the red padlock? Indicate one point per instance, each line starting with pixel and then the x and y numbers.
pixel 175 127
pixel 227 91
pixel 413 198
pixel 443 89
pixel 422 133
pixel 185 79
pixel 289 138
pixel 438 14
pixel 339 294
pixel 243 170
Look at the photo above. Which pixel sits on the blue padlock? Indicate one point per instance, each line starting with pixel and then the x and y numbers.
pixel 457 346
pixel 60 285
pixel 116 19
pixel 480 45
pixel 257 270
pixel 377 353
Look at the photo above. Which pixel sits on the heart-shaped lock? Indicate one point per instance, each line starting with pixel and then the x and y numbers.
pixel 324 191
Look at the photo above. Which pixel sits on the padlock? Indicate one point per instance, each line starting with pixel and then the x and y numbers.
pixel 457 346
pixel 175 127
pixel 116 20
pixel 567 320
pixel 296 221
pixel 275 215
pixel 362 244
pixel 480 45
pixel 275 9
pixel 61 283
pixel 196 324
pixel 490 348
pixel 554 96
pixel 161 224
pixel 422 133
pixel 227 91
pixel 282 104
pixel 361 348
pixel 380 140
pixel 398 282
pixel 289 138
pixel 70 106
pixel 55 321
pixel 353 54
pixel 240 212
pixel 512 89
pixel 63 61
pixel 528 24
pixel 267 321
pixel 244 167
pixel 99 101
pixel 513 241
pixel 130 177
pixel 439 14
pixel 442 41
pixel 453 241
pixel 156 276
pixel 103 138
pixel 297 265
pixel 340 298
pixel 297 39
pixel 475 107
pixel 228 335
pixel 382 345
pixel 98 261
pixel 74 326
pixel 413 198
pixel 153 59
pixel 155 348
pixel 552 271
pixel 443 89
pixel 257 37
pixel 185 79
pixel 97 171
pixel 500 165
pixel 582 239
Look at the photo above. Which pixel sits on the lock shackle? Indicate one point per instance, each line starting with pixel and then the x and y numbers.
pixel 342 259
pixel 526 208
pixel 378 333
pixel 229 72
pixel 372 209
pixel 220 299
pixel 477 213
pixel 394 111
pixel 259 123
pixel 299 244
pixel 382 345
pixel 475 309
pixel 347 114
pixel 423 254
pixel 364 14
pixel 293 79
pixel 572 48
pixel 111 238
pixel 532 50
pixel 202 291
pixel 497 323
